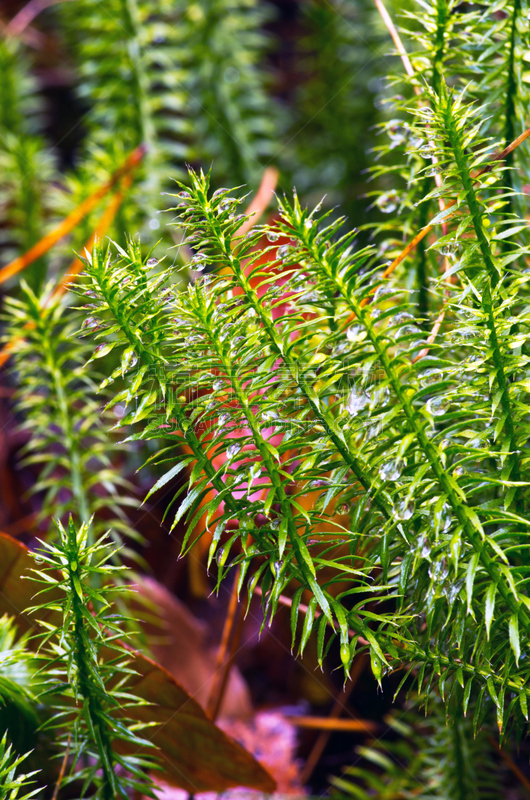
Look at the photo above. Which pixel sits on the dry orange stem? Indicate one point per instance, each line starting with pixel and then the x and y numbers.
pixel 222 652
pixel 62 771
pixel 419 236
pixel 261 199
pixel 104 224
pixel 511 763
pixel 385 16
pixel 332 723
pixel 340 703
pixel 76 265
pixel 73 218
pixel 434 333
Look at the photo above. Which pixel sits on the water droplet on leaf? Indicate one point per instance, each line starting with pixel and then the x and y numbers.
pixel 390 471
pixel 233 450
pixel 405 510
pixel 437 406
pixel 388 202
pixel 284 251
pixel 91 323
pixel 353 334
pixel 356 402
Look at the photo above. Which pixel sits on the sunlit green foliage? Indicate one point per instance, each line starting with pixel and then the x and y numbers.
pixel 317 383
pixel 325 441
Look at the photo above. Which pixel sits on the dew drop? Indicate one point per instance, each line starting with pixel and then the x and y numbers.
pixel 90 323
pixel 151 262
pixel 430 376
pixel 390 471
pixel 129 360
pixel 273 236
pixel 353 333
pixel 381 291
pixel 447 248
pixel 226 204
pixel 405 510
pixel 318 483
pixel 427 151
pixel 198 262
pixel 284 251
pixel 255 472
pixel 404 316
pixel 388 202
pixel 233 450
pixel 398 133
pixel 444 518
pixel 409 330
pixel 356 402
pixel 437 406
pixel 424 547
pixel 169 297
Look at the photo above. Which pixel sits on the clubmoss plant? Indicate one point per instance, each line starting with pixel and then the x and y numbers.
pixel 86 666
pixel 300 386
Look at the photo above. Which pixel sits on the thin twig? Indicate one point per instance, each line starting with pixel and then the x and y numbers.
pixel 323 738
pixel 434 333
pixel 385 16
pixel 63 769
pixel 225 673
pixel 76 265
pixel 330 725
pixel 511 763
pixel 104 224
pixel 221 660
